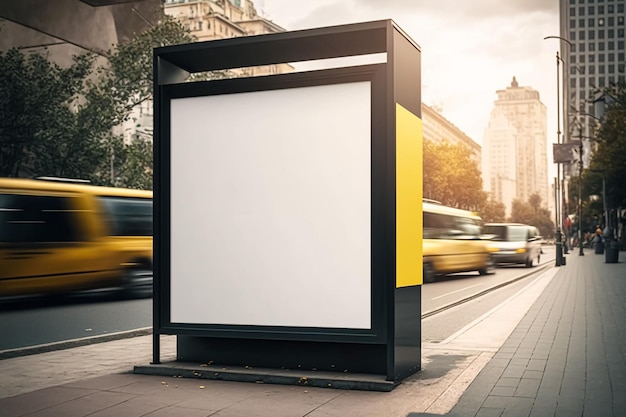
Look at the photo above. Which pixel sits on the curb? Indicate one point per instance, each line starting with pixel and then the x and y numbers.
pixel 360 382
pixel 68 344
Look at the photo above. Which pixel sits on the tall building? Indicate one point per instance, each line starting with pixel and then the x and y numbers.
pixel 437 128
pixel 593 58
pixel 219 19
pixel 515 162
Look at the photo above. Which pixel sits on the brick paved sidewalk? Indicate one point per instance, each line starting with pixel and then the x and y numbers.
pixel 567 356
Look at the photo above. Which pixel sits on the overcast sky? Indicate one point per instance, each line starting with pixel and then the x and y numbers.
pixel 470 48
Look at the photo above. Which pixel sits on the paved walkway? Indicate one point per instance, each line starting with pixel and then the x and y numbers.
pixel 567 356
pixel 557 348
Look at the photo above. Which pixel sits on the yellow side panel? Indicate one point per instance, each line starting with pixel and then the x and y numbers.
pixel 409 220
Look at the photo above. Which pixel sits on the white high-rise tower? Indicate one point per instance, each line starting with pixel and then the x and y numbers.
pixel 515 163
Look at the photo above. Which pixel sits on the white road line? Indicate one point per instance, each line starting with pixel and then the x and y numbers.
pixel 460 290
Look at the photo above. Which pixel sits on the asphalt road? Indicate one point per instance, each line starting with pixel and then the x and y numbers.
pixel 36 322
pixel 32 323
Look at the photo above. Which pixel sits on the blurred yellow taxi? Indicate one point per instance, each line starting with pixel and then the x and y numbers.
pixel 58 237
pixel 452 242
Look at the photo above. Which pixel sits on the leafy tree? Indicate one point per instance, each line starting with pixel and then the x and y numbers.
pixel 37 118
pixel 530 212
pixel 609 158
pixel 136 168
pixel 493 211
pixel 124 82
pixel 452 177
pixel 60 121
pixel 125 79
pixel 521 212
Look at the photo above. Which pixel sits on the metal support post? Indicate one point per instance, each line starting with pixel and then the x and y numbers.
pixel 580 194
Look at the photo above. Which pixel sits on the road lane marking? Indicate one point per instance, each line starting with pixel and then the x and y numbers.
pixel 460 290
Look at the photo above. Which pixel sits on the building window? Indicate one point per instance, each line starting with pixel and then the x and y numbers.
pixel 601 34
pixel 600 9
pixel 592 69
pixel 601 21
pixel 572 11
pixel 620 33
pixel 573 59
pixel 611 68
pixel 601 57
pixel 611 21
pixel 620 57
pixel 592 34
pixel 601 69
pixel 611 34
pixel 620 45
pixel 572 82
pixel 601 82
pixel 581 35
pixel 611 57
pixel 620 8
pixel 620 20
pixel 572 48
pixel 620 68
pixel 600 46
pixel 572 35
pixel 582 59
pixel 581 23
pixel 572 24
pixel 591 10
pixel 610 8
pixel 582 47
pixel 582 83
pixel 591 22
pixel 592 58
pixel 592 47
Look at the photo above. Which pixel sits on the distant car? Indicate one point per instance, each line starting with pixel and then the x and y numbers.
pixel 514 243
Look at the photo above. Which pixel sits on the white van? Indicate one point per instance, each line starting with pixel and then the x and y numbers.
pixel 514 243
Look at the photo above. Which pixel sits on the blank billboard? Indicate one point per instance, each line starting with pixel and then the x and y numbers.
pixel 271 208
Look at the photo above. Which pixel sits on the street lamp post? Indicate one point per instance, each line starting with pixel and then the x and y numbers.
pixel 580 193
pixel 559 243
pixel 559 237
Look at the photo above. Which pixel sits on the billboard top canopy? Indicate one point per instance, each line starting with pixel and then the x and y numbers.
pixel 282 47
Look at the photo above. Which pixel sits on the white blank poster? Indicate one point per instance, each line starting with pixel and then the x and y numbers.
pixel 270 208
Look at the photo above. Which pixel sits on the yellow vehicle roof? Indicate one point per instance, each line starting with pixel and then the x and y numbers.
pixel 46 185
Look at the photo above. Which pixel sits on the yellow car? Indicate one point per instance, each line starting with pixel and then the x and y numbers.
pixel 58 237
pixel 452 242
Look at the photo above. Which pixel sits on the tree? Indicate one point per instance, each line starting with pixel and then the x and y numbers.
pixel 452 177
pixel 609 158
pixel 530 212
pixel 493 211
pixel 136 166
pixel 37 118
pixel 123 82
pixel 60 121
